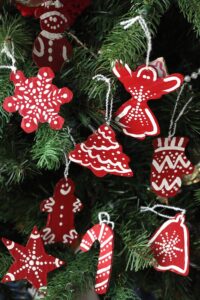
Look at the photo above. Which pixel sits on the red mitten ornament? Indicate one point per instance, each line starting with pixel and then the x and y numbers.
pixel 105 235
pixel 102 154
pixel 31 262
pixel 170 246
pixel 134 116
pixel 51 48
pixel 169 165
pixel 61 209
pixel 37 100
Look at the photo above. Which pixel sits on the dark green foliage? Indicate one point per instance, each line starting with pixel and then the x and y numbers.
pixel 30 165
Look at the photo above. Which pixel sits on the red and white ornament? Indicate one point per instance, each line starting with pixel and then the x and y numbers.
pixel 134 116
pixel 102 154
pixel 169 165
pixel 170 246
pixel 61 209
pixel 105 235
pixel 37 100
pixel 31 262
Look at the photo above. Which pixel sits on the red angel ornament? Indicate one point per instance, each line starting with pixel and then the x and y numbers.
pixel 31 262
pixel 134 116
pixel 170 246
pixel 37 100
pixel 102 154
pixel 61 209
pixel 169 165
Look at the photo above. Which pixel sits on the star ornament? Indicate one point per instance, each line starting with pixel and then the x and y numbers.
pixel 37 100
pixel 31 262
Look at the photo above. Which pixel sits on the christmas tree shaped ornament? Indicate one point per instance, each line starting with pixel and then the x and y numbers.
pixel 37 100
pixel 101 153
pixel 51 48
pixel 105 235
pixel 31 262
pixel 169 165
pixel 170 243
pixel 135 116
pixel 61 209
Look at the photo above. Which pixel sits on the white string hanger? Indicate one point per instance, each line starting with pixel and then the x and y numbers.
pixel 153 210
pixel 11 55
pixel 68 161
pixel 109 97
pixel 104 217
pixel 128 23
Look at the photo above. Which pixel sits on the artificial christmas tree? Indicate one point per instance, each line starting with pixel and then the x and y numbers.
pixel 32 164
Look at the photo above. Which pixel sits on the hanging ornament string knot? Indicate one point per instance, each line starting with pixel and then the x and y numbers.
pixel 68 161
pixel 104 217
pixel 128 23
pixel 11 55
pixel 109 97
pixel 153 210
pixel 174 121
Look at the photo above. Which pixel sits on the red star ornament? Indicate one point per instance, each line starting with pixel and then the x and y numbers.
pixel 61 209
pixel 170 246
pixel 169 165
pixel 37 100
pixel 31 262
pixel 102 154
pixel 135 116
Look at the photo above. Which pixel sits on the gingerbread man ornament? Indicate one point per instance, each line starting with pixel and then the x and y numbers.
pixel 61 209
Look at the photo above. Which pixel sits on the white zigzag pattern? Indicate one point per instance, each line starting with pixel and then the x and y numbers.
pixel 166 185
pixel 168 161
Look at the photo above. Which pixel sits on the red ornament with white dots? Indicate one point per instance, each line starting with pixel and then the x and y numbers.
pixel 169 165
pixel 37 100
pixel 61 209
pixel 135 116
pixel 102 154
pixel 170 246
pixel 31 262
pixel 104 234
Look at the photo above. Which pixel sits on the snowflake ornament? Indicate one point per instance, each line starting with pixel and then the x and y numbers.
pixel 170 246
pixel 31 262
pixel 37 100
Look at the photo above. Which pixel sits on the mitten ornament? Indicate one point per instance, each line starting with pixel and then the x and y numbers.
pixel 31 262
pixel 61 209
pixel 169 165
pixel 170 246
pixel 134 116
pixel 37 100
pixel 102 154
pixel 51 48
pixel 105 235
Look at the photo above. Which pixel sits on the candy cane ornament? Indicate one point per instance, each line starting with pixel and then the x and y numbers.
pixel 105 235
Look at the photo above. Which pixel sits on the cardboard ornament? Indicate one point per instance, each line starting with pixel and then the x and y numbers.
pixel 61 209
pixel 31 262
pixel 135 116
pixel 105 235
pixel 37 100
pixel 169 165
pixel 170 246
pixel 102 154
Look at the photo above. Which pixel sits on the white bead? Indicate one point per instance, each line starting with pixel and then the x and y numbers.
pixel 194 75
pixel 187 78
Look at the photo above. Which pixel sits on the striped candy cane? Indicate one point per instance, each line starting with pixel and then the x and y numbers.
pixel 105 235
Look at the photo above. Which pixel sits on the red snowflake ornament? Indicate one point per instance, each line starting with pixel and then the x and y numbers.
pixel 170 246
pixel 31 262
pixel 37 100
pixel 102 154
pixel 61 209
pixel 105 235
pixel 169 165
pixel 134 116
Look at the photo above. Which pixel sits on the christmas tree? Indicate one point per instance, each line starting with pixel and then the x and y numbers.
pixel 75 41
